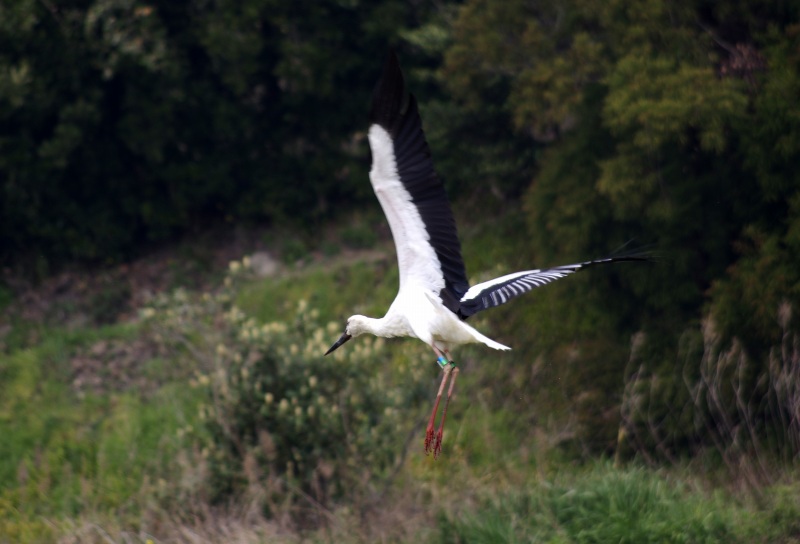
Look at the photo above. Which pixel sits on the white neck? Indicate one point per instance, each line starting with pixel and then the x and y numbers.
pixel 388 326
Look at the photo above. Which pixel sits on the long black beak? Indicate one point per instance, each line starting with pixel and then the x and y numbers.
pixel 342 339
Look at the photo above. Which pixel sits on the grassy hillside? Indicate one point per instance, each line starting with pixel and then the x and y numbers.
pixel 213 417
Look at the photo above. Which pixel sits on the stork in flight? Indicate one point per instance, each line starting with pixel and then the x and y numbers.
pixel 434 298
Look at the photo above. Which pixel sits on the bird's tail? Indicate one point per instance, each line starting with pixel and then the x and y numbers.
pixel 485 339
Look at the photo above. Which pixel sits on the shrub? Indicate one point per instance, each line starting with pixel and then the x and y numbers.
pixel 720 400
pixel 282 422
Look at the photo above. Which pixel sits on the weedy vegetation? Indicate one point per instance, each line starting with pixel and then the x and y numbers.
pixel 230 427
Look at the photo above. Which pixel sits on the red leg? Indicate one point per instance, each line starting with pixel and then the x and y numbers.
pixel 437 447
pixel 429 431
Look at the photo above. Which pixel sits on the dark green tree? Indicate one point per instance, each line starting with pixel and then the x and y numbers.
pixel 123 123
pixel 669 124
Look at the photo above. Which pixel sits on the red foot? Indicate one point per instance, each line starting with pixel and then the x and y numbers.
pixel 429 439
pixel 429 431
pixel 437 448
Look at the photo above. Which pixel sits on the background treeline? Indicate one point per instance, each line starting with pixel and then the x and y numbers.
pixel 677 125
pixel 125 123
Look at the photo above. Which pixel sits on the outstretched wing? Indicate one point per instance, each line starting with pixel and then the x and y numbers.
pixel 411 194
pixel 500 290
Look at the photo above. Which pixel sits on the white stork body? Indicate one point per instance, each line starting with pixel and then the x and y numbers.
pixel 417 310
pixel 434 297
pixel 419 314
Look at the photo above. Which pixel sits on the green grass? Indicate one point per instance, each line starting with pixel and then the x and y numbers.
pixel 337 291
pixel 631 506
pixel 65 453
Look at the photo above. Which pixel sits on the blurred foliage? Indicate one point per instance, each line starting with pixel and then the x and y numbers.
pixel 602 506
pixel 69 449
pixel 715 403
pixel 95 454
pixel 280 418
pixel 125 123
pixel 672 125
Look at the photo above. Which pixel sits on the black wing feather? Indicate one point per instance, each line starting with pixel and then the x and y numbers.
pixel 499 291
pixel 395 109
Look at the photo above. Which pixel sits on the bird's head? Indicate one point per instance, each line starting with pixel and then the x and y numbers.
pixel 355 326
